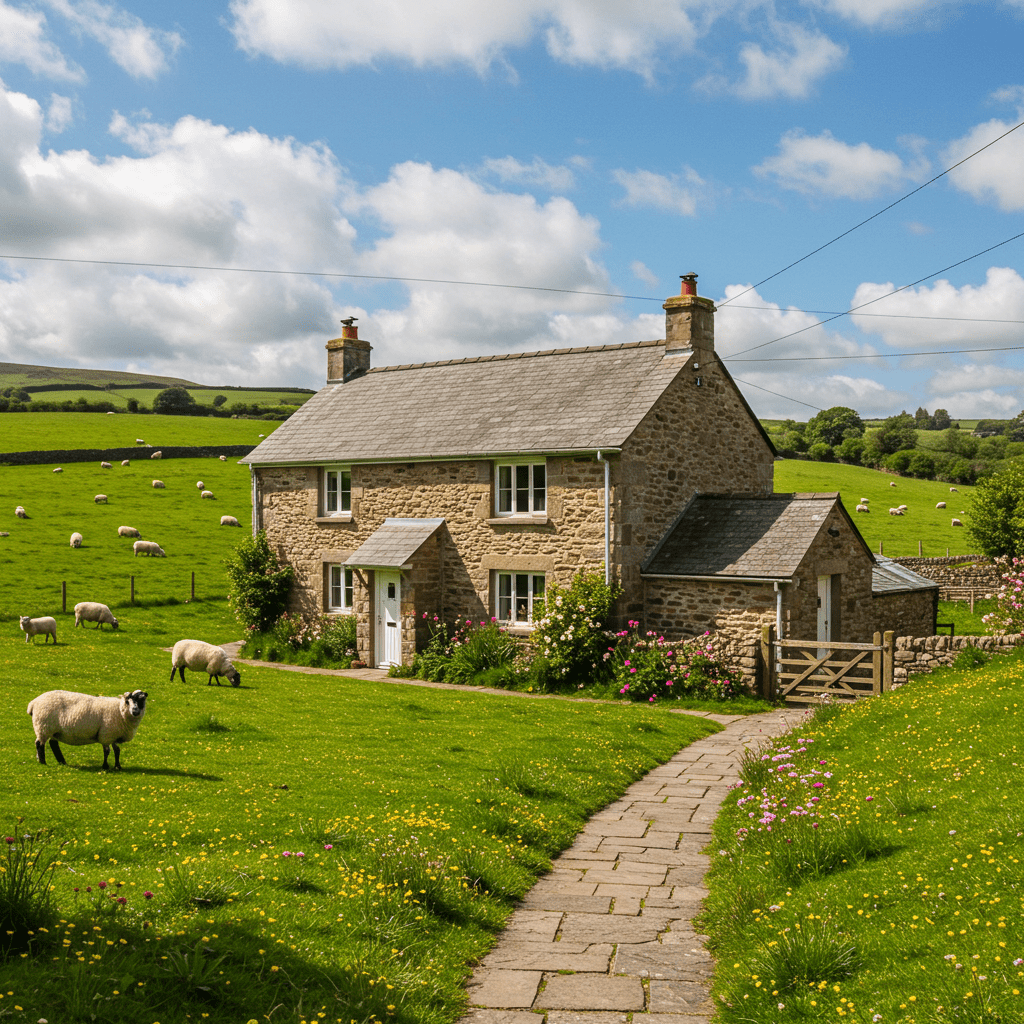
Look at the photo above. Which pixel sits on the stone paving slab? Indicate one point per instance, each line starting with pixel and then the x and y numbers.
pixel 591 992
pixel 500 1017
pixel 550 957
pixel 680 997
pixel 582 1017
pixel 503 989
pixel 565 904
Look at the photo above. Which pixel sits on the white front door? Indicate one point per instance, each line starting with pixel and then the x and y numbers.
pixel 389 618
pixel 824 608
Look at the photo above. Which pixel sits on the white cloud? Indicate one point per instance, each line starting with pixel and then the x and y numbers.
pixel 626 34
pixel 823 165
pixel 985 403
pixel 644 273
pixel 676 193
pixel 995 175
pixel 23 41
pixel 139 49
pixel 556 178
pixel 791 68
pixel 60 114
pixel 879 13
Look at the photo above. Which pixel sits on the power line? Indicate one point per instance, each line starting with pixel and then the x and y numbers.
pixel 776 394
pixel 885 355
pixel 848 231
pixel 895 291
pixel 894 316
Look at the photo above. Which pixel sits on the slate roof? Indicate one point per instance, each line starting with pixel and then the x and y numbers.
pixel 889 577
pixel 724 535
pixel 392 544
pixel 569 399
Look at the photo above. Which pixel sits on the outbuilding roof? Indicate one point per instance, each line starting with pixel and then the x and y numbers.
pixel 889 577
pixel 563 400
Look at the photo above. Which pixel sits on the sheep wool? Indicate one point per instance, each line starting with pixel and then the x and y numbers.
pixel 203 657
pixel 100 499
pixel 20 512
pixel 126 462
pixel 128 531
pixel 148 547
pixel 200 485
pixel 105 465
pixel 78 719
pixel 206 494
pixel 157 455
pixel 223 458
pixel 58 470
pixel 93 611
pixel 76 540
pixel 229 521
pixel 158 484
pixel 47 625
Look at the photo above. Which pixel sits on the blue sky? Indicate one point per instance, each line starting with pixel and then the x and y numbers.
pixel 588 145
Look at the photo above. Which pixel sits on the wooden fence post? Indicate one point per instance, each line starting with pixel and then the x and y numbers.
pixel 64 595
pixel 767 665
pixel 919 551
pixel 881 547
pixel 132 598
pixel 888 658
pixel 876 664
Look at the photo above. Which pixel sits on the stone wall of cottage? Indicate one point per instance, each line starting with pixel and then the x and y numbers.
pixel 915 654
pixel 694 439
pixel 911 613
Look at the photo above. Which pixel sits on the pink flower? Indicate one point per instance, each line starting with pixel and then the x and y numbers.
pixel 103 885
pixel 148 895
pixel 328 846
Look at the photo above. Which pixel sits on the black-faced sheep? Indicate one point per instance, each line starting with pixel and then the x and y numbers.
pixel 20 512
pixel 78 719
pixel 47 625
pixel 128 531
pixel 93 611
pixel 76 540
pixel 148 547
pixel 203 657
pixel 956 522
pixel 941 504
pixel 201 485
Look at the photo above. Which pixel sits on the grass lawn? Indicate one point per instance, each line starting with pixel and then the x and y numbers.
pixel 897 535
pixel 50 431
pixel 203 396
pixel 888 887
pixel 965 622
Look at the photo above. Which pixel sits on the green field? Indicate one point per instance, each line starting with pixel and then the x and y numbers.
pixel 49 431
pixel 894 535
pixel 203 396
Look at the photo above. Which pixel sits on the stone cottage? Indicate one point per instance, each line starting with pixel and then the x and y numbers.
pixel 464 488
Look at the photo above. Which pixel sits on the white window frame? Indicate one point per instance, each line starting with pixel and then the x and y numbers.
pixel 516 484
pixel 514 593
pixel 342 495
pixel 339 583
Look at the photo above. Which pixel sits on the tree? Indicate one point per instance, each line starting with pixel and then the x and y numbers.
pixel 941 420
pixel 996 516
pixel 219 401
pixel 259 583
pixel 923 419
pixel 833 426
pixel 133 405
pixel 896 433
pixel 175 401
pixel 1015 429
pixel 851 450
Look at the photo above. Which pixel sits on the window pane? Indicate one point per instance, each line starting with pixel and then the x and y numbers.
pixel 331 495
pixel 522 597
pixel 334 601
pixel 539 487
pixel 348 588
pixel 504 488
pixel 346 491
pixel 504 596
pixel 522 488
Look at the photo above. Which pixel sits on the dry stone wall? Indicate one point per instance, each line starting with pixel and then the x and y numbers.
pixel 916 654
pixel 977 571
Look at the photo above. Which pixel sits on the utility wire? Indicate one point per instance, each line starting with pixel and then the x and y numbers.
pixel 895 291
pixel 882 355
pixel 777 395
pixel 848 231
pixel 895 316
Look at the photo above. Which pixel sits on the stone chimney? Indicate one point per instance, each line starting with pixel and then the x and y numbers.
pixel 690 321
pixel 347 356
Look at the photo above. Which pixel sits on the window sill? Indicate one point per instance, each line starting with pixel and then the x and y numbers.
pixel 541 520
pixel 519 629
pixel 342 517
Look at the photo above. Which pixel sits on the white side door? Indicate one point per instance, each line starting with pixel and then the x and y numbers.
pixel 824 608
pixel 389 629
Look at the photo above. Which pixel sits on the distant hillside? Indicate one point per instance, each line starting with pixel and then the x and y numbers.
pixel 29 376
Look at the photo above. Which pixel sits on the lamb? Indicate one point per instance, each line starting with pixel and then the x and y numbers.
pixel 203 657
pixel 157 455
pixel 76 540
pixel 863 508
pixel 47 625
pixel 100 499
pixel 126 462
pixel 78 718
pixel 941 504
pixel 200 485
pixel 105 465
pixel 20 512
pixel 158 484
pixel 93 611
pixel 229 521
pixel 956 522
pixel 206 494
pixel 128 531
pixel 148 547
pixel 58 470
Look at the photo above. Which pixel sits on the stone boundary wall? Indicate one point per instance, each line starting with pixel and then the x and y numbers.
pixel 118 454
pixel 915 654
pixel 977 571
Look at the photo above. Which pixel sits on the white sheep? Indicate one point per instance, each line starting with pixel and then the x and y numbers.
pixel 105 465
pixel 863 508
pixel 956 522
pixel 203 657
pixel 148 547
pixel 100 499
pixel 139 440
pixel 229 521
pixel 953 490
pixel 941 504
pixel 206 494
pixel 78 719
pixel 223 458
pixel 892 483
pixel 58 470
pixel 865 501
pixel 76 540
pixel 902 508
pixel 157 455
pixel 126 462
pixel 128 531
pixel 20 512
pixel 93 611
pixel 895 511
pixel 158 484
pixel 47 625
pixel 200 485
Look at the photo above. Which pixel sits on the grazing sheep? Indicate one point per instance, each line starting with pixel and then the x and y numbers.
pixel 902 508
pixel 47 625
pixel 865 501
pixel 139 440
pixel 58 470
pixel 941 504
pixel 206 494
pixel 78 719
pixel 100 499
pixel 200 485
pixel 159 484
pixel 895 511
pixel 892 483
pixel 229 521
pixel 126 462
pixel 956 522
pixel 863 508
pixel 223 458
pixel 148 547
pixel 157 455
pixel 110 412
pixel 203 657
pixel 20 512
pixel 953 490
pixel 76 540
pixel 93 611
pixel 105 465
pixel 128 531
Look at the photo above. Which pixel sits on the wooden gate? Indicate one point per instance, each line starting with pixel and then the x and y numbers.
pixel 802 671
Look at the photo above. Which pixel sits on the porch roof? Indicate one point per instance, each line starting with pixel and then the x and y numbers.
pixel 392 544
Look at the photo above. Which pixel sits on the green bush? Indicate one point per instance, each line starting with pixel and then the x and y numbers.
pixel 477 649
pixel 259 584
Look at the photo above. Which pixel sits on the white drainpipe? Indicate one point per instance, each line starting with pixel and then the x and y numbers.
pixel 607 519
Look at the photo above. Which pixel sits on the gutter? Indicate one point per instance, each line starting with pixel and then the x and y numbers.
pixel 717 579
pixel 607 518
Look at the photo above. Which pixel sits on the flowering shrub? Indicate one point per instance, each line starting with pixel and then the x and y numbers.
pixel 259 584
pixel 320 641
pixel 567 629
pixel 649 668
pixel 469 649
pixel 1009 615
